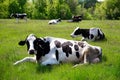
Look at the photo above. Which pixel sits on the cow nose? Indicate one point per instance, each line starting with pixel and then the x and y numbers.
pixel 31 52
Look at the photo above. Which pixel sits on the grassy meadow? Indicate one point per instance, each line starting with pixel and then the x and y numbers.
pixel 11 33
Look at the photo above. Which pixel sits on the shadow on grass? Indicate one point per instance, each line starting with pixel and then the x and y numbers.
pixel 43 69
pixel 104 58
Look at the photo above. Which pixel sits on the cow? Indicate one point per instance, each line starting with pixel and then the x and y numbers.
pixel 52 50
pixel 76 19
pixel 91 34
pixel 19 16
pixel 54 21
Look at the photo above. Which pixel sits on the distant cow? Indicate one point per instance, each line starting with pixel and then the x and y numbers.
pixel 88 34
pixel 19 16
pixel 54 21
pixel 76 19
pixel 51 50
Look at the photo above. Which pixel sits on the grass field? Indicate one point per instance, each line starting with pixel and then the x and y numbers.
pixel 11 33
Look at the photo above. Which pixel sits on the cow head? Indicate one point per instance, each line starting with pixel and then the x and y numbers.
pixel 12 15
pixel 59 20
pixel 94 54
pixel 37 46
pixel 33 44
pixel 29 41
pixel 76 32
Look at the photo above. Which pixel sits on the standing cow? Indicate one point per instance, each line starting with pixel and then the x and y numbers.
pixel 19 16
pixel 91 34
pixel 51 50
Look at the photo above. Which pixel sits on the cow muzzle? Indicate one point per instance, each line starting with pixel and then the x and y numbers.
pixel 32 52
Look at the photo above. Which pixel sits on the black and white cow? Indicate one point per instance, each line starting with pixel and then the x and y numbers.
pixel 54 21
pixel 19 16
pixel 76 19
pixel 91 34
pixel 51 50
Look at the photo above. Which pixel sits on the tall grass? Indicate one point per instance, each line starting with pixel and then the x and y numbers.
pixel 11 33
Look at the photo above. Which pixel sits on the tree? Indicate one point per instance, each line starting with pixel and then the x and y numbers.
pixel 4 9
pixel 64 11
pixel 112 9
pixel 40 9
pixel 21 5
pixel 14 7
pixel 99 12
pixel 72 5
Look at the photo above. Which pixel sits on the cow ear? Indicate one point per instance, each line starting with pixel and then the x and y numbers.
pixel 22 43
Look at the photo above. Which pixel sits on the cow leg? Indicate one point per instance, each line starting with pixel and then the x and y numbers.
pixel 85 59
pixel 17 20
pixel 31 59
pixel 83 39
pixel 25 19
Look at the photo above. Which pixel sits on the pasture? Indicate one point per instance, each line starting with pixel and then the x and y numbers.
pixel 11 33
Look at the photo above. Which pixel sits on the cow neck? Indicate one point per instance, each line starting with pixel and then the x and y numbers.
pixel 43 49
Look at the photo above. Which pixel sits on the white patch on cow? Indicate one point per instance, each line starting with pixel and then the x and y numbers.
pixel 31 39
pixel 52 22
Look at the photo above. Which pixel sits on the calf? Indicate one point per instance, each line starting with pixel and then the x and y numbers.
pixel 19 16
pixel 54 21
pixel 51 50
pixel 88 34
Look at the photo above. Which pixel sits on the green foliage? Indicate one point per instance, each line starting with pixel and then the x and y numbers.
pixel 112 9
pixel 21 5
pixel 99 12
pixel 14 7
pixel 72 4
pixel 64 9
pixel 39 11
pixel 4 9
pixel 89 3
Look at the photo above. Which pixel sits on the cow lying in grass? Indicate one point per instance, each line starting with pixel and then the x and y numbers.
pixel 51 50
pixel 19 16
pixel 91 34
pixel 54 21
pixel 76 19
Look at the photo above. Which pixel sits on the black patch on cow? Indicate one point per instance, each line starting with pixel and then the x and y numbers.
pixel 77 32
pixel 91 36
pixel 100 35
pixel 76 47
pixel 57 44
pixel 42 48
pixel 83 32
pixel 77 54
pixel 57 55
pixel 28 45
pixel 81 44
pixel 66 48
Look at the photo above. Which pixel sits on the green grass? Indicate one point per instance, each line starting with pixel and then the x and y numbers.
pixel 11 33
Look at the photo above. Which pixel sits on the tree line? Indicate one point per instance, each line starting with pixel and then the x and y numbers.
pixel 64 9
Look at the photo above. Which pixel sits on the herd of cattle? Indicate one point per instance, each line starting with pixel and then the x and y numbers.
pixel 51 50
